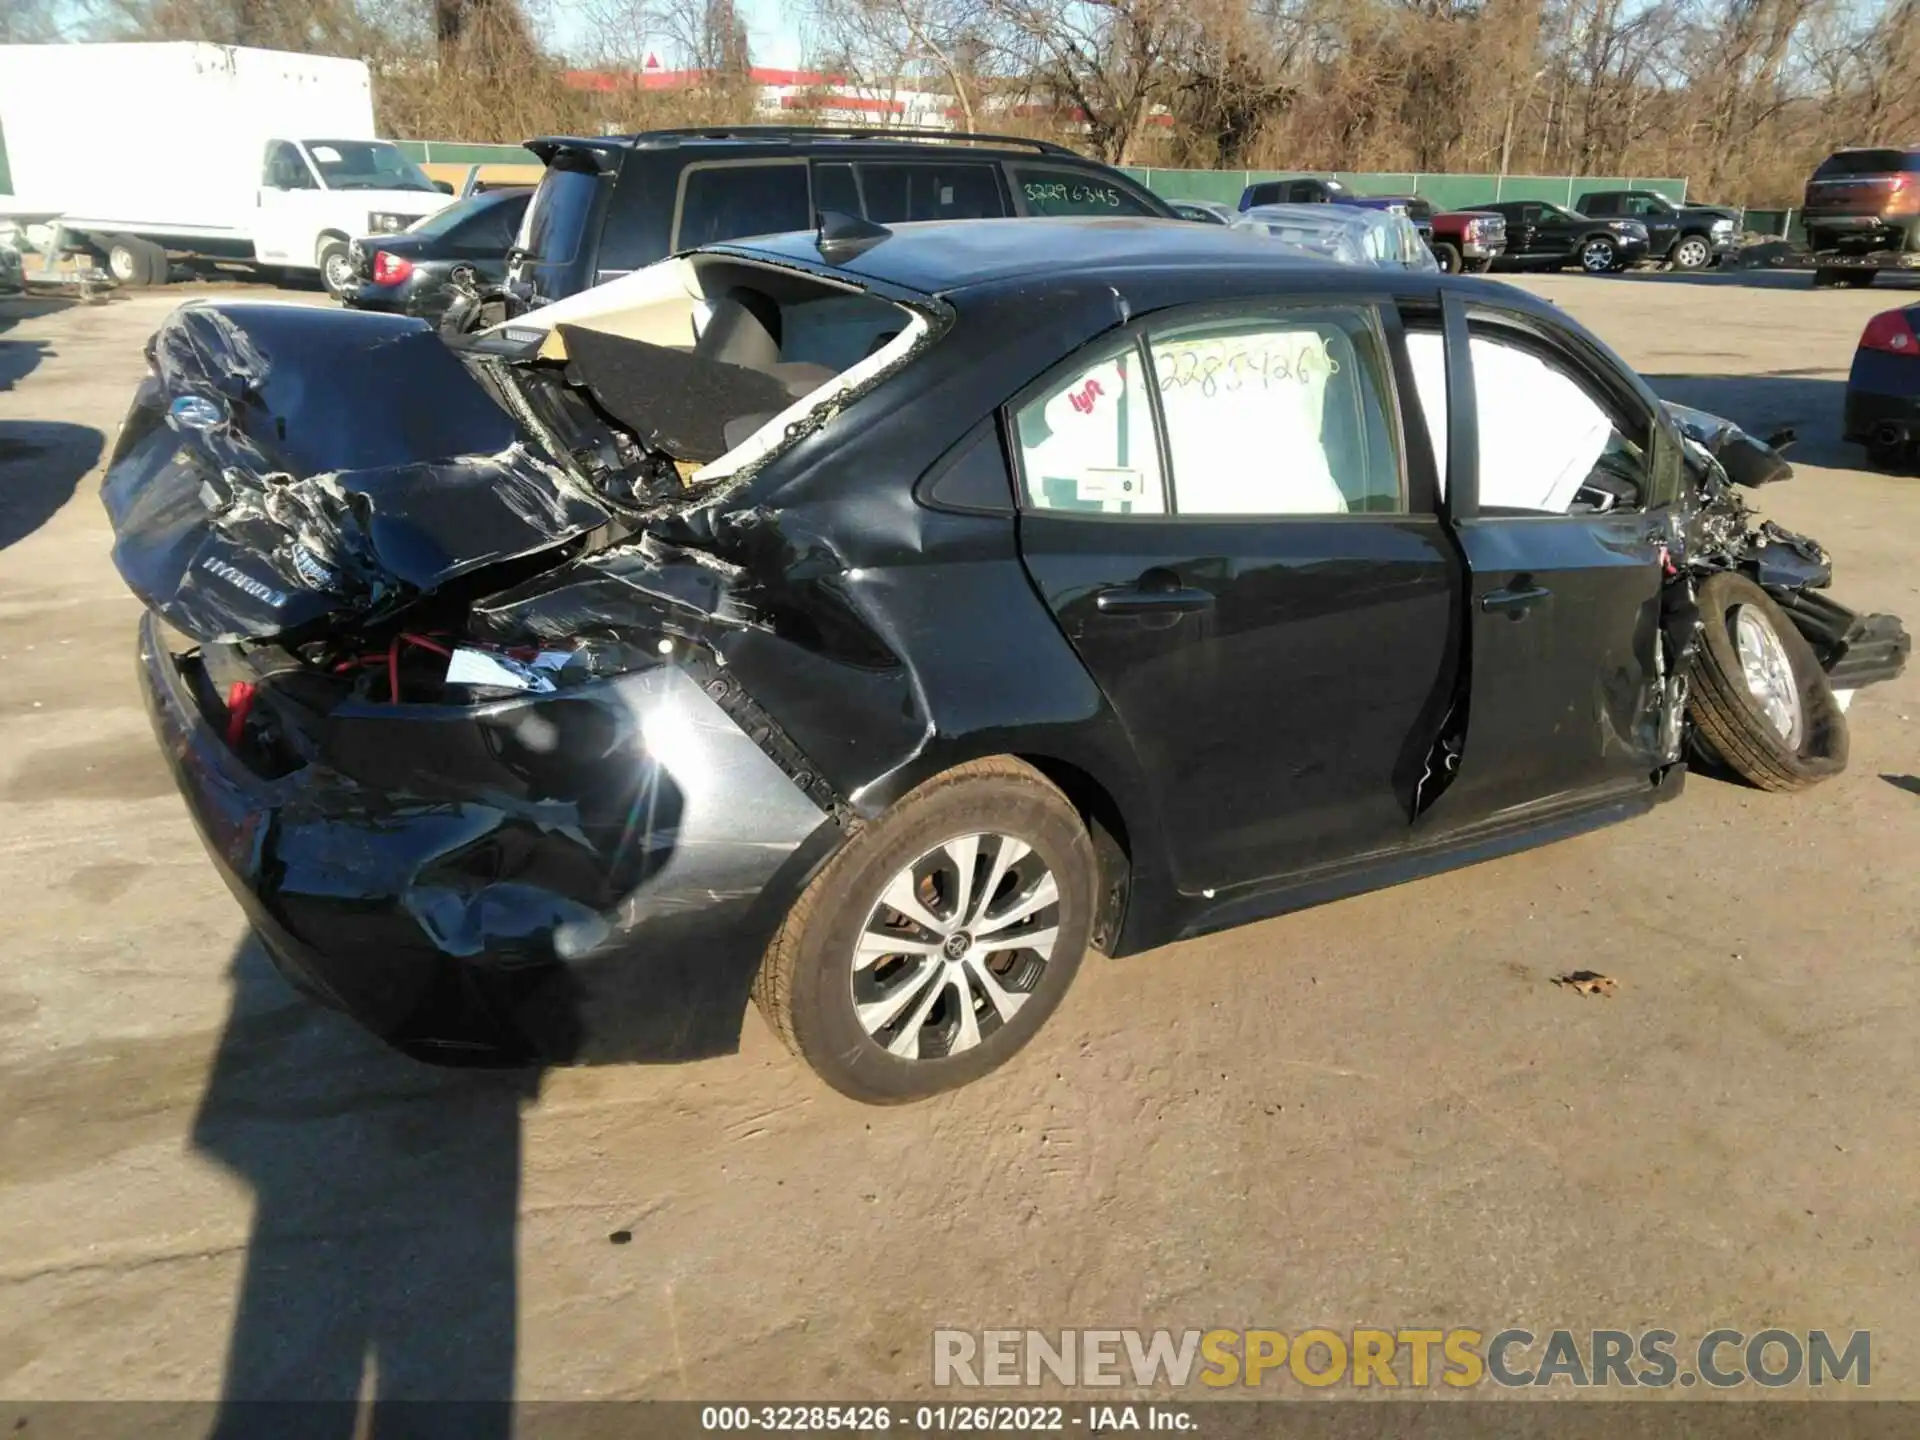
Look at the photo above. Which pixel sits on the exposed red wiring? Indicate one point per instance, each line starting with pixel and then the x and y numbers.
pixel 426 644
pixel 239 706
pixel 393 671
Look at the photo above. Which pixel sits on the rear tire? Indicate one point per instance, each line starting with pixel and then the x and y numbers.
pixel 824 956
pixel 1826 277
pixel 1858 279
pixel 336 269
pixel 1448 254
pixel 137 263
pixel 1731 722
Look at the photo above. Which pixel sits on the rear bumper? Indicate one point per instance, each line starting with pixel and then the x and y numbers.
pixel 600 891
pixel 1882 389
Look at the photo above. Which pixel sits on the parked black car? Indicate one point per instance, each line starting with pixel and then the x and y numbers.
pixel 1544 236
pixel 412 273
pixel 1689 237
pixel 873 622
pixel 614 204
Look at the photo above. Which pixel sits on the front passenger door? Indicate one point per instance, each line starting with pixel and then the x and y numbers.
pixel 1219 510
pixel 1561 481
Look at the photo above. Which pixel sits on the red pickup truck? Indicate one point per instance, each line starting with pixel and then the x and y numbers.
pixel 1468 240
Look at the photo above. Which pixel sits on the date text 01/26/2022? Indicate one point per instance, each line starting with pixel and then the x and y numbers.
pixel 1091 1419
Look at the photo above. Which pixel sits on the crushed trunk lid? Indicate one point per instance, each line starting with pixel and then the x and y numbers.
pixel 283 465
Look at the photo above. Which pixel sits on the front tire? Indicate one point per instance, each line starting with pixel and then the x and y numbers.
pixel 1760 702
pixel 1448 254
pixel 1691 252
pixel 1598 255
pixel 938 941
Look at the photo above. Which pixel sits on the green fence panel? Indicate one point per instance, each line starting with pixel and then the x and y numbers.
pixel 1221 185
pixel 453 152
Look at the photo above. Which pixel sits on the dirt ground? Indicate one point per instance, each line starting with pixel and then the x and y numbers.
pixel 1380 1112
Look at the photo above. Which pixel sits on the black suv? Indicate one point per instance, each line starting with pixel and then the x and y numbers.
pixel 611 205
pixel 1692 237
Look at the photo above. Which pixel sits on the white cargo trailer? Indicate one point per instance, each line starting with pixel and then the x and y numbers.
pixel 148 151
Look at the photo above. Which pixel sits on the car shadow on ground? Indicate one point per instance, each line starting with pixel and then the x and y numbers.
pixel 41 464
pixel 20 358
pixel 1755 277
pixel 1908 783
pixel 1809 405
pixel 381 1266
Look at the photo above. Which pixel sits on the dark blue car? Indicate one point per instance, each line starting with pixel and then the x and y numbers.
pixel 1883 388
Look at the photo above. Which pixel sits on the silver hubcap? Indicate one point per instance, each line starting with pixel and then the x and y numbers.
pixel 121 263
pixel 339 272
pixel 1693 254
pixel 1768 672
pixel 1598 255
pixel 956 944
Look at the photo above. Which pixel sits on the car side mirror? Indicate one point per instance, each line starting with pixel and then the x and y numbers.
pixel 445 187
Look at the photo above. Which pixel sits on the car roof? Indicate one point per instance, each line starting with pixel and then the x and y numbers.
pixel 789 139
pixel 941 256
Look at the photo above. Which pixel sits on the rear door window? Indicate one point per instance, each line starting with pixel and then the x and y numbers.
pixel 1287 413
pixel 732 201
pixel 897 192
pixel 1056 190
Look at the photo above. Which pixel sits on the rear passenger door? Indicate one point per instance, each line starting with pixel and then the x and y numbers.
pixel 1218 507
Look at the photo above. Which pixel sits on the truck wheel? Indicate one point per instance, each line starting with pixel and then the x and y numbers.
pixel 136 262
pixel 336 269
pixel 1826 276
pixel 1691 252
pixel 1598 255
pixel 1858 279
pixel 1760 702
pixel 1448 254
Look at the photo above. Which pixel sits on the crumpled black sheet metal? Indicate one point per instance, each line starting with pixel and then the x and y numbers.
pixel 227 522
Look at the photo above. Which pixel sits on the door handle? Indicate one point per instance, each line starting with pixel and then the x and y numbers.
pixel 1140 600
pixel 1514 599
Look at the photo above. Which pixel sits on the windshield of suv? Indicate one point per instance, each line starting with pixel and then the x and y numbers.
pixel 365 165
pixel 1867 162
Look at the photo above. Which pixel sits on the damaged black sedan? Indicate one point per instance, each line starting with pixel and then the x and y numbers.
pixel 870 624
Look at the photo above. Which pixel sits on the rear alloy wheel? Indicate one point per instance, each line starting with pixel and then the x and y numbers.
pixel 1599 255
pixel 939 939
pixel 1760 702
pixel 1448 254
pixel 1691 252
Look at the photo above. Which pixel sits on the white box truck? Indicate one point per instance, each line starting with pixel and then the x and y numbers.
pixel 148 151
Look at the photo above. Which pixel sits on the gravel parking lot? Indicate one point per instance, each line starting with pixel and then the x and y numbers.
pixel 1380 1112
